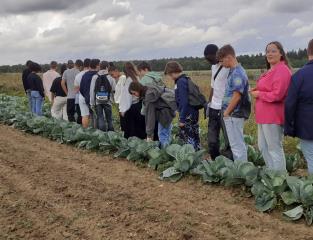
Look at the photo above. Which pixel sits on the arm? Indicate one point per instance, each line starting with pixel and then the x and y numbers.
pixel 126 99
pixel 279 88
pixel 63 84
pixel 232 104
pixel 52 98
pixel 291 106
pixel 150 119
pixel 211 94
pixel 92 90
pixel 182 88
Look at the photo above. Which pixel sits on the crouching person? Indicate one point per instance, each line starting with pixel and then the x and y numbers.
pixel 59 98
pixel 101 97
pixel 236 105
pixel 159 106
pixel 188 115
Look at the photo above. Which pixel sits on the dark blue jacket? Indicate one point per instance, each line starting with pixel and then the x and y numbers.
pixel 85 83
pixel 181 96
pixel 299 104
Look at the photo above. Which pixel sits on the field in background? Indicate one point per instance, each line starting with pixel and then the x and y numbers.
pixel 11 84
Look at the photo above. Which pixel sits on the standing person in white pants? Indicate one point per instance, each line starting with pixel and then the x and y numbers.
pixel 270 94
pixel 58 98
pixel 236 105
pixel 299 108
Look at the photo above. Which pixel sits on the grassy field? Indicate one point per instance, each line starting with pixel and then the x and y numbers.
pixel 11 84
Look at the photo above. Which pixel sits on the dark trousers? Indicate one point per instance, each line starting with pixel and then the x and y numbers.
pixel 104 117
pixel 79 115
pixel 133 123
pixel 215 126
pixel 71 110
pixel 189 134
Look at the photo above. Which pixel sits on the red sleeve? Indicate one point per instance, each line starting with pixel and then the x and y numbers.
pixel 280 84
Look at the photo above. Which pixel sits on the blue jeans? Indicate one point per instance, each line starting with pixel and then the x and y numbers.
pixel 164 135
pixel 234 129
pixel 307 149
pixel 37 102
pixel 104 117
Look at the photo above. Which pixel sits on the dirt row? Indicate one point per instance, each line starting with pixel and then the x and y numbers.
pixel 53 191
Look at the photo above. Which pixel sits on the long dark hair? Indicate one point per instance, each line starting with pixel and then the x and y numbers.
pixel 63 68
pixel 282 52
pixel 137 87
pixel 130 71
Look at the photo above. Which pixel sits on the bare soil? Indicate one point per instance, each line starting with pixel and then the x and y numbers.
pixel 52 191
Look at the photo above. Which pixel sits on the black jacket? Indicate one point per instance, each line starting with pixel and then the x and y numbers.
pixel 35 83
pixel 25 74
pixel 299 104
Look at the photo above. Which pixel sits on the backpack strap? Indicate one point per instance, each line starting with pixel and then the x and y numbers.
pixel 218 71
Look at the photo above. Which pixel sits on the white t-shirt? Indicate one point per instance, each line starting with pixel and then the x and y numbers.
pixel 126 100
pixel 47 79
pixel 77 81
pixel 219 86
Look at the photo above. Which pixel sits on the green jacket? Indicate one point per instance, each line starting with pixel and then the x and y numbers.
pixel 152 78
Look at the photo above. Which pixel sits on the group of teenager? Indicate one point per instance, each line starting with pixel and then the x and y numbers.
pixel 85 91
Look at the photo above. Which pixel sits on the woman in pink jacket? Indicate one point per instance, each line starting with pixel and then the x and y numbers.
pixel 270 94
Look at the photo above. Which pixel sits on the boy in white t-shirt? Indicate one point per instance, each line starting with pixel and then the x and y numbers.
pixel 218 85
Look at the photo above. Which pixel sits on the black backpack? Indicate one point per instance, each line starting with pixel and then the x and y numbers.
pixel 103 89
pixel 195 98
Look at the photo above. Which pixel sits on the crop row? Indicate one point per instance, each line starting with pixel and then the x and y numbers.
pixel 269 188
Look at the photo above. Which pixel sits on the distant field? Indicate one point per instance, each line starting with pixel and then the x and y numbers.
pixel 11 84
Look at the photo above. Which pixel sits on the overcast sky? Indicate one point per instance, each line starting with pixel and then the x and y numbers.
pixel 141 29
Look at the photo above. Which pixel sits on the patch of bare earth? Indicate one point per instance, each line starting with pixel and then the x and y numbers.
pixel 52 191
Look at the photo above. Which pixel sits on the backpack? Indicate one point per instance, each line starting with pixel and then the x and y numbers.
pixel 195 98
pixel 245 106
pixel 103 89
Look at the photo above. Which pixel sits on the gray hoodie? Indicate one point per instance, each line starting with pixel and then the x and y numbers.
pixel 160 105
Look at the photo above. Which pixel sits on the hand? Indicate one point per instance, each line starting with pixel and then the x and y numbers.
pixel 226 115
pixel 122 114
pixel 181 125
pixel 207 112
pixel 253 89
pixel 255 94
pixel 149 139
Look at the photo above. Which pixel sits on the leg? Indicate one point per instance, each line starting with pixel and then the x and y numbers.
pixel 33 102
pixel 79 115
pixel 307 149
pixel 262 144
pixel 29 97
pixel 214 128
pixel 71 110
pixel 234 128
pixel 274 137
pixel 108 117
pixel 190 133
pixel 164 135
pixel 156 132
pixel 64 109
pixel 56 110
pixel 100 118
pixel 40 100
pixel 84 112
pixel 227 152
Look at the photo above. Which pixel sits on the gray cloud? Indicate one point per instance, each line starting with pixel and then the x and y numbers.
pixel 290 6
pixel 29 6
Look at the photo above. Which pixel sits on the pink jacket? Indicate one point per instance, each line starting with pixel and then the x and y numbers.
pixel 273 87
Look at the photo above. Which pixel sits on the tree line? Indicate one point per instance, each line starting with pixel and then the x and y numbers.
pixel 297 59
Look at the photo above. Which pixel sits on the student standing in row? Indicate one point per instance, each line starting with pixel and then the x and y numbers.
pixel 58 97
pixel 68 79
pixel 270 94
pixel 102 91
pixel 159 106
pixel 299 108
pixel 25 74
pixel 236 103
pixel 218 85
pixel 132 122
pixel 188 115
pixel 150 78
pixel 78 79
pixel 36 87
pixel 84 89
pixel 48 78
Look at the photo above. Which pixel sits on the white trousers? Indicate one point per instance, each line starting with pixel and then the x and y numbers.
pixel 58 109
